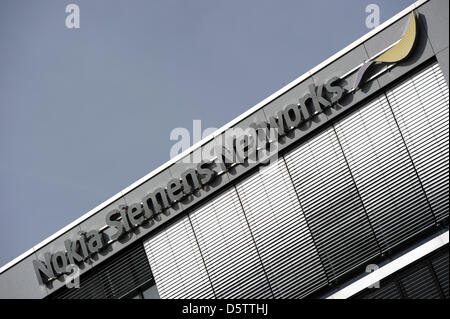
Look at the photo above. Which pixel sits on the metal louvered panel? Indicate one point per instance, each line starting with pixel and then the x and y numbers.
pixel 419 283
pixel 388 290
pixel 129 271
pixel 177 264
pixel 228 249
pixel 384 174
pixel 91 287
pixel 426 278
pixel 331 204
pixel 420 105
pixel 280 231
pixel 440 266
pixel 114 278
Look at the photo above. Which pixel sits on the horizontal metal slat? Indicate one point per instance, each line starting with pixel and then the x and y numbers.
pixel 338 223
pixel 228 249
pixel 296 271
pixel 177 263
pixel 423 116
pixel 389 190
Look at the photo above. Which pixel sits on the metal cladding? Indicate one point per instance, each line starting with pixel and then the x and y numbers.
pixel 426 278
pixel 352 192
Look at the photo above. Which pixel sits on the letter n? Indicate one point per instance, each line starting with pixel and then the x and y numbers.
pixel 44 271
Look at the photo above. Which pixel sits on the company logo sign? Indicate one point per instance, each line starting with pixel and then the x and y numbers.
pixel 257 144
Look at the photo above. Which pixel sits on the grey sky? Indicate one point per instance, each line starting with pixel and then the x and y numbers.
pixel 86 112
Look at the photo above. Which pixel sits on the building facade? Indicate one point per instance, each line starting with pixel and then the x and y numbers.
pixel 341 192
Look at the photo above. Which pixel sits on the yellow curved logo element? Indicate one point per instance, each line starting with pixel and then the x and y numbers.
pixel 401 50
pixel 396 53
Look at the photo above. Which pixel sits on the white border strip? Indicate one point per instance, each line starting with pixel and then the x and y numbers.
pixel 392 267
pixel 217 132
